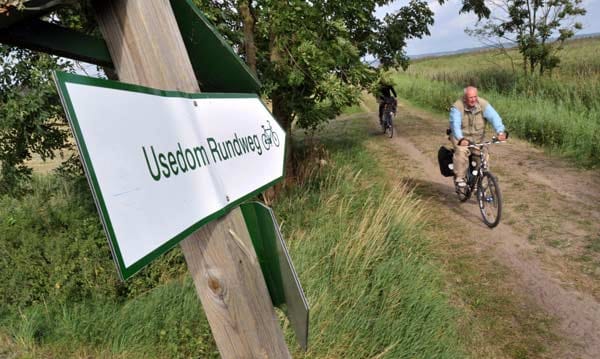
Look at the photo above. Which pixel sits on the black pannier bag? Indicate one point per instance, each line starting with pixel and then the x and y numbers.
pixel 445 161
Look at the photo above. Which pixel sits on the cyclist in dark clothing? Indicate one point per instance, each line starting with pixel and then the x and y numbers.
pixel 387 91
pixel 385 95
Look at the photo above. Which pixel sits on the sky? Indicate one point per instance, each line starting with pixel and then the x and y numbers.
pixel 447 33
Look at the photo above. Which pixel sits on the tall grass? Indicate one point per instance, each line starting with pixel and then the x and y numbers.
pixel 60 293
pixel 53 248
pixel 579 96
pixel 166 322
pixel 578 60
pixel 560 112
pixel 362 257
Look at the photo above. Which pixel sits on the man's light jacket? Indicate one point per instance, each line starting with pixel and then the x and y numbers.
pixel 470 123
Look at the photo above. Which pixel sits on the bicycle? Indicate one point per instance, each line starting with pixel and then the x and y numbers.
pixel 269 137
pixel 481 180
pixel 387 124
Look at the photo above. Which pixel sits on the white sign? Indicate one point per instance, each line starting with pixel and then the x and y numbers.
pixel 162 164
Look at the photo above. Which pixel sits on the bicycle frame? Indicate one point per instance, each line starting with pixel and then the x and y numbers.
pixel 269 137
pixel 387 116
pixel 482 166
pixel 480 179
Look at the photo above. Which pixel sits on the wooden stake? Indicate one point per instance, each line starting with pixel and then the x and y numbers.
pixel 147 49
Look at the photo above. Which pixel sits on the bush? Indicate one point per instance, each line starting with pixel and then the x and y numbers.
pixel 53 248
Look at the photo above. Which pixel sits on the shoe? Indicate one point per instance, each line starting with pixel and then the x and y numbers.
pixel 459 182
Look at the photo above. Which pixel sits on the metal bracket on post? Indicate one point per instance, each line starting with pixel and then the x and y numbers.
pixel 42 36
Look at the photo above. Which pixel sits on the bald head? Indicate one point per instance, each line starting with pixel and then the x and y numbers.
pixel 470 98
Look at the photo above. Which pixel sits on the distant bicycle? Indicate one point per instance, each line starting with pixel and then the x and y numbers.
pixel 269 137
pixel 387 121
pixel 482 181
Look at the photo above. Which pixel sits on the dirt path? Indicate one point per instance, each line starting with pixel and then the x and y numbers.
pixel 549 237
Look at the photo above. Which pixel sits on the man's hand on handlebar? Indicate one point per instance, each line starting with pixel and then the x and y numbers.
pixel 464 142
pixel 501 136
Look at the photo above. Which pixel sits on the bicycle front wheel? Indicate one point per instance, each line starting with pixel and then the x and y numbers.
pixel 489 199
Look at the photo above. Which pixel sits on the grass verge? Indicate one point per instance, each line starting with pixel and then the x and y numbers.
pixel 166 322
pixel 363 260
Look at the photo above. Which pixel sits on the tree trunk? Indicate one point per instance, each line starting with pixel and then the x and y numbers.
pixel 282 114
pixel 248 22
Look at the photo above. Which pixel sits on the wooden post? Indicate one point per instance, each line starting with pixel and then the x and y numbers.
pixel 147 49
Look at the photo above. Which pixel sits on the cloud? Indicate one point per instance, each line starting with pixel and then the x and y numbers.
pixel 447 33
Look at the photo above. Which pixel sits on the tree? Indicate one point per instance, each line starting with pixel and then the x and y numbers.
pixel 31 113
pixel 478 7
pixel 308 54
pixel 409 22
pixel 530 26
pixel 32 118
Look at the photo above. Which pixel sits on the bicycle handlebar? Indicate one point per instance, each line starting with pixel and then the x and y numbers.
pixel 493 141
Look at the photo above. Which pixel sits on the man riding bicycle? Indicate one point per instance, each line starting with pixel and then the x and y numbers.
pixel 385 92
pixel 467 124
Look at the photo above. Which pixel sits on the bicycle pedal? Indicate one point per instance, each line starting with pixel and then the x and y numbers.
pixel 460 183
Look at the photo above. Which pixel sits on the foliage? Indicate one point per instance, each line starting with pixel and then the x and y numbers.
pixel 166 322
pixel 530 24
pixel 78 16
pixel 308 54
pixel 575 84
pixel 52 241
pixel 358 247
pixel 32 116
pixel 409 22
pixel 478 7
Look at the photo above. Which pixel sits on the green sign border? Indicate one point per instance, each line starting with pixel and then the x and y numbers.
pixel 216 65
pixel 61 79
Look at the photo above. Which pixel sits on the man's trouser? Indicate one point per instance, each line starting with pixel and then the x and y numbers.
pixel 461 157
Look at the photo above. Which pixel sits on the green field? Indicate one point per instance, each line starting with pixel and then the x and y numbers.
pixel 560 112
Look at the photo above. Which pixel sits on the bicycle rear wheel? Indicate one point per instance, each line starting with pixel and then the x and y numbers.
pixel 389 126
pixel 489 199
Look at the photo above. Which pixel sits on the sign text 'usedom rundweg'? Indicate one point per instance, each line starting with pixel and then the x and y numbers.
pixel 161 164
